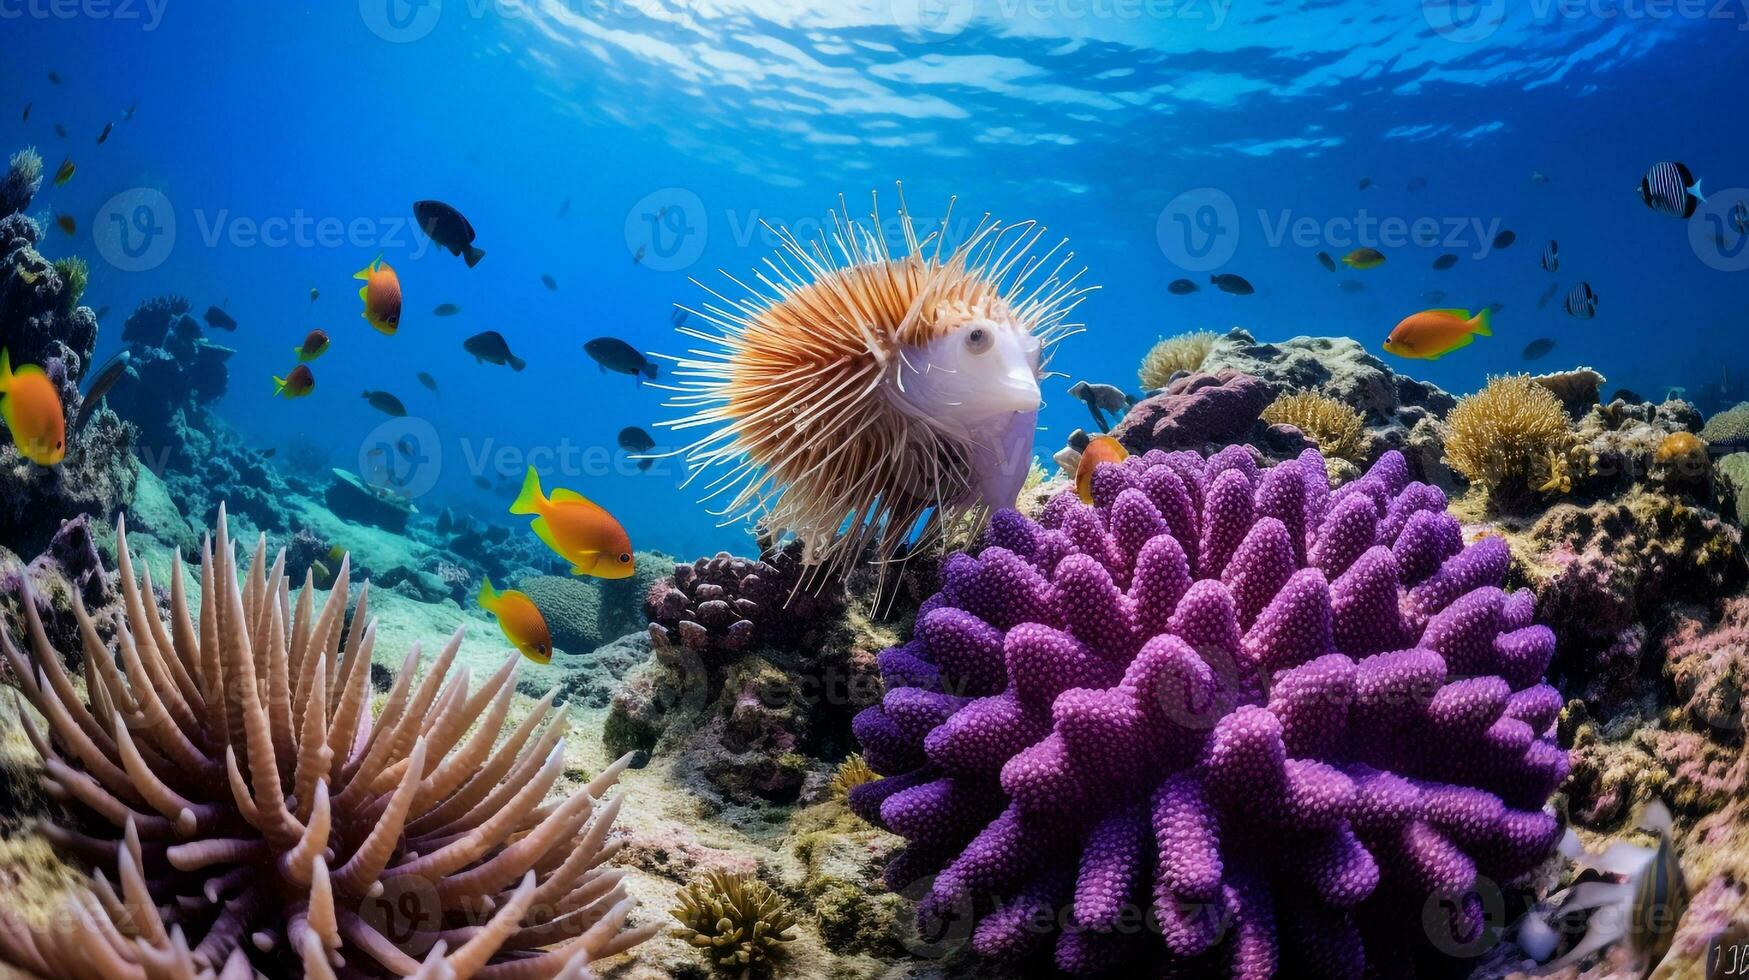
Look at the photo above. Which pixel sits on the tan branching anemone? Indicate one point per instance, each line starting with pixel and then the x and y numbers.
pixel 1511 437
pixel 737 919
pixel 264 820
pixel 1337 429
pixel 1185 352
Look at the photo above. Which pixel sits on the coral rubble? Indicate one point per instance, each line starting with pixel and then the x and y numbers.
pixel 1277 721
pixel 253 810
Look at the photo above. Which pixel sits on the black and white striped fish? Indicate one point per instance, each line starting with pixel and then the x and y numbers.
pixel 1740 217
pixel 1582 302
pixel 1552 256
pixel 1670 188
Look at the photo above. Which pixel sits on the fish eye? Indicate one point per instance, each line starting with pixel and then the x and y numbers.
pixel 624 559
pixel 978 340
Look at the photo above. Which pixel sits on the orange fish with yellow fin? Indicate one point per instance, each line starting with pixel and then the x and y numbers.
pixel 1100 449
pixel 1432 334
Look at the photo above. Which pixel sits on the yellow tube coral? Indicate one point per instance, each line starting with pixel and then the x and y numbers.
pixel 1510 437
pixel 1184 352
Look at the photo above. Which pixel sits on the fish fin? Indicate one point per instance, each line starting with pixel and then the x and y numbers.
pixel 278 385
pixel 488 595
pixel 649 370
pixel 530 499
pixel 517 363
pixel 544 531
pixel 5 369
pixel 1695 190
pixel 1461 314
pixel 579 568
pixel 571 497
pixel 1482 322
pixel 364 273
pixel 473 256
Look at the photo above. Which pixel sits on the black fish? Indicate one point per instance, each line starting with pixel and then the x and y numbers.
pixel 1542 301
pixel 1351 286
pixel 1670 188
pixel 428 381
pixel 270 452
pixel 128 116
pixel 491 347
pixel 482 483
pixel 1495 307
pixel 678 317
pixel 1445 262
pixel 1426 236
pixel 218 319
pixel 1181 287
pixel 548 281
pixel 1538 348
pixel 1505 239
pixel 1551 260
pixel 1229 283
pixel 26 118
pixel 614 354
pixel 54 77
pixel 107 129
pixel 1326 261
pixel 1365 182
pixel 638 256
pixel 60 131
pixel 105 379
pixel 446 226
pixel 1582 302
pixel 384 402
pixel 446 309
pixel 635 440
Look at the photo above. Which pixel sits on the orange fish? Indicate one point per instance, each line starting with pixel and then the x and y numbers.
pixel 1432 334
pixel 578 531
pixel 31 406
pixel 1100 449
pixel 521 621
pixel 382 296
pixel 297 383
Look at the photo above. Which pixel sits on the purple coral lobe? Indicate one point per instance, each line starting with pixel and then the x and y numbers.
pixel 1221 719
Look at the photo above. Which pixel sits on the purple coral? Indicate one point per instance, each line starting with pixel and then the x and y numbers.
pixel 731 604
pixel 1224 719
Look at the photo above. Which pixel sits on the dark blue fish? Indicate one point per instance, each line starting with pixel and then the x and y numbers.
pixel 1181 287
pixel 1542 301
pixel 1670 188
pixel 1365 182
pixel 1582 302
pixel 1445 262
pixel 1538 348
pixel 1505 239
pixel 1230 283
pixel 1326 261
pixel 1551 261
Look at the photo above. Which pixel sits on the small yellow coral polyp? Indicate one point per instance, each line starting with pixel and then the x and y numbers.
pixel 1678 446
pixel 1512 434
pixel 1334 426
pixel 1185 352
pixel 736 919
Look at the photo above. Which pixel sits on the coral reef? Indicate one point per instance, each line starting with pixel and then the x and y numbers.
pixel 1198 411
pixel 1619 444
pixel 350 498
pixel 1277 721
pixel 1728 431
pixel 852 772
pixel 41 323
pixel 572 608
pixel 411 842
pixel 1512 440
pixel 738 921
pixel 1183 353
pixel 1577 390
pixel 727 605
pixel 1401 413
pixel 1335 428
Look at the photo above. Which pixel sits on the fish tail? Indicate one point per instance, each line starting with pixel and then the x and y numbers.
pixel 530 499
pixel 1481 324
pixel 5 370
pixel 473 256
pixel 488 594
pixel 278 386
pixel 516 363
pixel 1695 190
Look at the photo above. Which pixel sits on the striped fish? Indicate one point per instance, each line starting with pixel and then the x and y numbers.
pixel 1552 256
pixel 1660 893
pixel 1582 302
pixel 1670 188
pixel 1740 217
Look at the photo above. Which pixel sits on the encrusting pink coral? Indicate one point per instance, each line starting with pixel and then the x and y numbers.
pixel 1224 720
pixel 265 818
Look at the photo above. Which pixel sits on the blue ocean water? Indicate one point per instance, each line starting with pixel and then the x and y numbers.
pixel 286 142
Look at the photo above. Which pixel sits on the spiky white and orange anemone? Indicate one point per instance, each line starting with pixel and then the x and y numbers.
pixel 864 396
